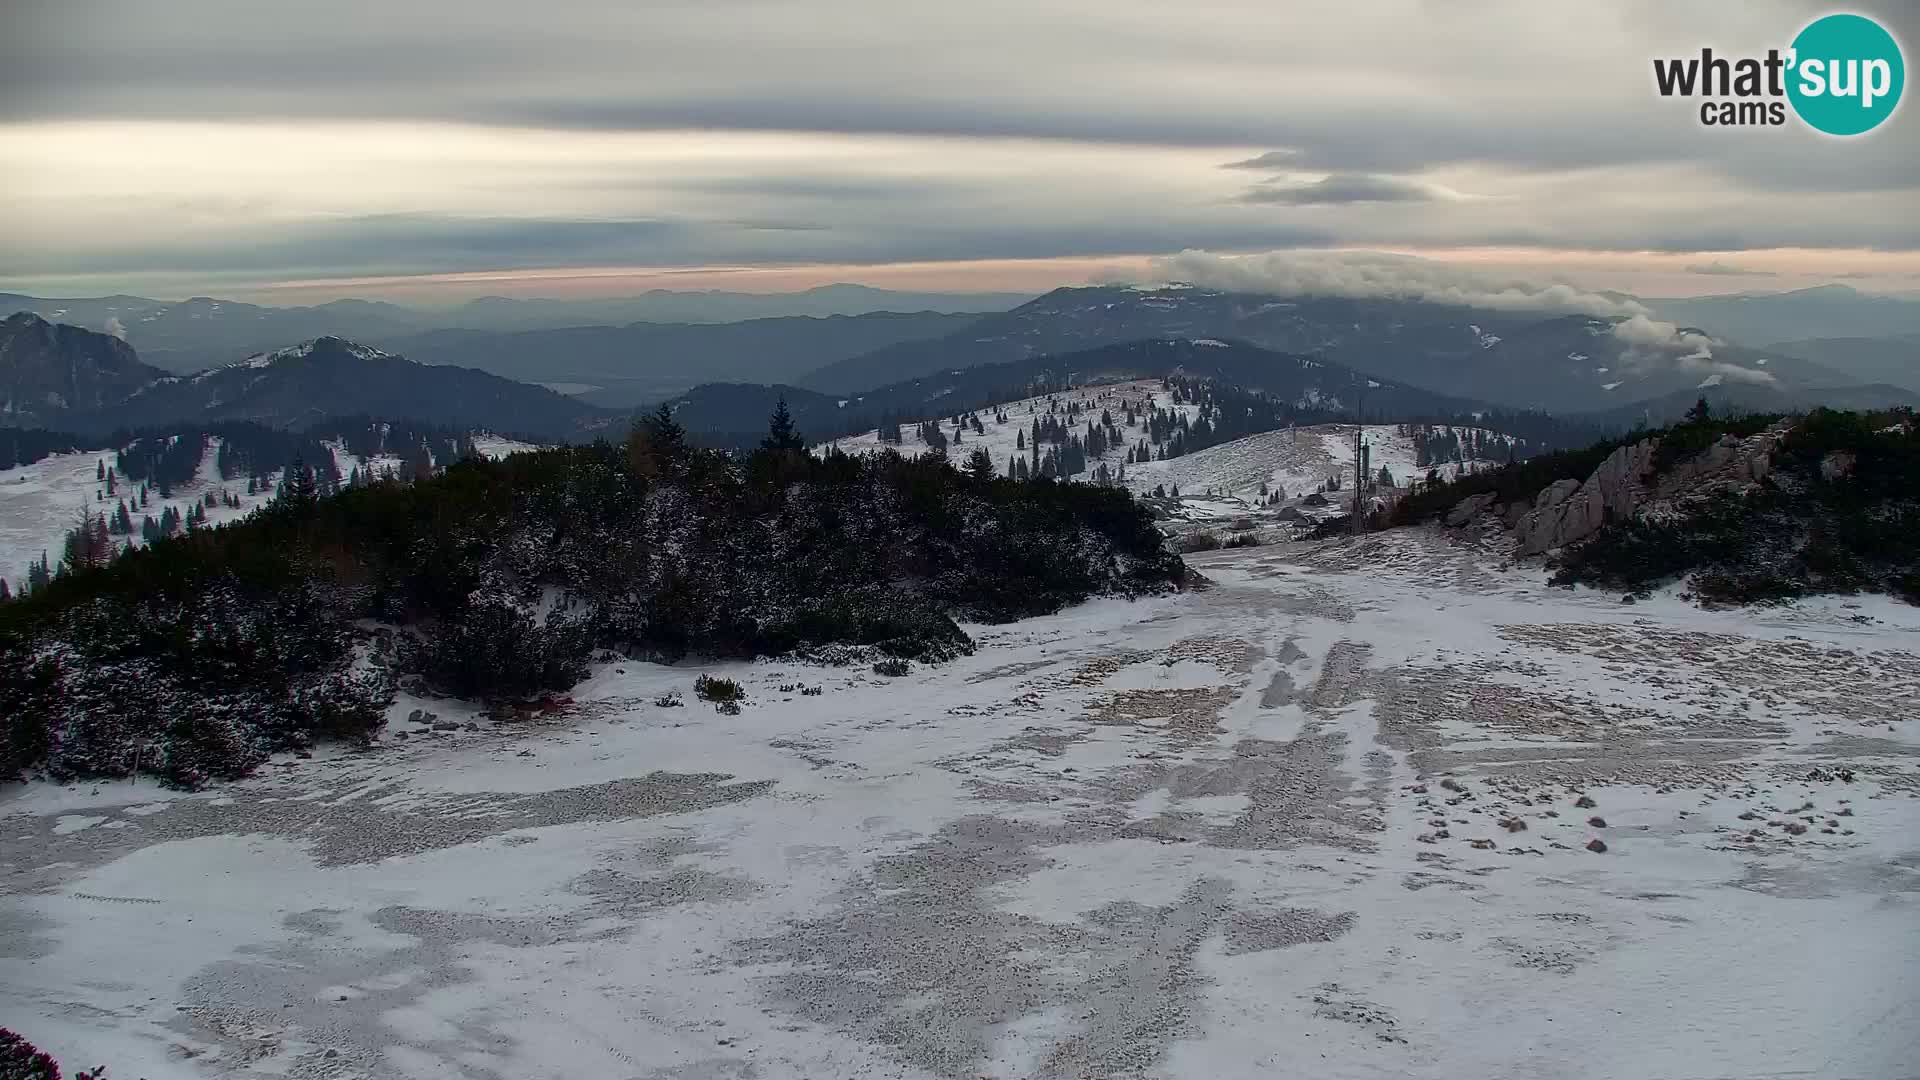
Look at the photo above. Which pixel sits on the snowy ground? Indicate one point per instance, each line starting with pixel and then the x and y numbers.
pixel 1263 829
pixel 39 503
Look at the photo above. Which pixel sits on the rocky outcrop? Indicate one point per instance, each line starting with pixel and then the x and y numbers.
pixel 1730 463
pixel 50 371
pixel 1469 508
pixel 1568 511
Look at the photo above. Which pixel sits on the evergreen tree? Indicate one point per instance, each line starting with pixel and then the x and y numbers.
pixel 980 464
pixel 657 444
pixel 88 543
pixel 1700 413
pixel 5 592
pixel 38 575
pixel 781 436
pixel 418 465
pixel 296 490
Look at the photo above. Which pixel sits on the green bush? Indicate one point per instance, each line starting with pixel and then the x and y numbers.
pixel 495 650
pixel 718 691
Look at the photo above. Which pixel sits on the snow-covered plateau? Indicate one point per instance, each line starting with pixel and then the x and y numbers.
pixel 1374 808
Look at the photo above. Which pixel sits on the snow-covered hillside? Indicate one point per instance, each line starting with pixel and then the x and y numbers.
pixel 1004 440
pixel 1367 810
pixel 496 447
pixel 1218 481
pixel 1296 461
pixel 39 503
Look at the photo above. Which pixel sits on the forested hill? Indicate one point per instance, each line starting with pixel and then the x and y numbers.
pixel 212 649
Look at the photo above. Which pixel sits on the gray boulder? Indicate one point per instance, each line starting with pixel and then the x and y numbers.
pixel 1569 511
pixel 1468 508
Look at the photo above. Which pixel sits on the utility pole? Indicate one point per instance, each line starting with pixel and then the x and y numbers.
pixel 1359 468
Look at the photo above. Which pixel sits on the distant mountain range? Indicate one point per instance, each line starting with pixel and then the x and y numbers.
pixel 844 339
pixel 839 370
pixel 1558 363
pixel 201 332
pixel 1826 311
pixel 662 305
pixel 625 366
pixel 1893 360
pixel 69 379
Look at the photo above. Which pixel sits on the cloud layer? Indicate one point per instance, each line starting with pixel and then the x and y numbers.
pixel 1368 274
pixel 1648 342
pixel 361 136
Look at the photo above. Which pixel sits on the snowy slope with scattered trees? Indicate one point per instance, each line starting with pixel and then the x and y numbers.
pixel 1154 437
pixel 43 503
pixel 171 488
pixel 1006 431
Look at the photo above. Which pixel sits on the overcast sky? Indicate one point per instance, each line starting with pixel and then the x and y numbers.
pixel 458 147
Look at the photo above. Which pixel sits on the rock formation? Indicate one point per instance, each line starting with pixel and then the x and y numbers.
pixel 1568 511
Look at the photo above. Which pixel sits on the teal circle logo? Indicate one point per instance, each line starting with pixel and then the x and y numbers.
pixel 1847 74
